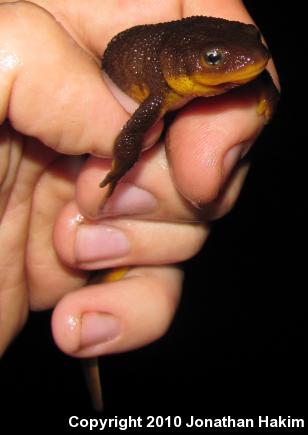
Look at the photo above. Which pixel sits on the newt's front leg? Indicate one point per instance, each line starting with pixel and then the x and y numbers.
pixel 128 145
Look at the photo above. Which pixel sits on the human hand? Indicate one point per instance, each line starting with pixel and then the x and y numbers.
pixel 54 96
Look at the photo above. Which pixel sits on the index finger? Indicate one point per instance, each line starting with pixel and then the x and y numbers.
pixel 51 88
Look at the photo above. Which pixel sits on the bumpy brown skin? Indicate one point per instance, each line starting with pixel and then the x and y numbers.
pixel 165 65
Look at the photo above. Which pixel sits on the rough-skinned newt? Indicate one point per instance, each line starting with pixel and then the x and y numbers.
pixel 163 66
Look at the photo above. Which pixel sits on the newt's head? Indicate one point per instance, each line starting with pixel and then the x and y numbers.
pixel 210 55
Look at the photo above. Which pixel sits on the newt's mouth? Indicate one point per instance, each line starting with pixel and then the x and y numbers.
pixel 214 83
pixel 247 74
pixel 232 79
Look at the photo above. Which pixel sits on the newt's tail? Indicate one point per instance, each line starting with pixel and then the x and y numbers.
pixel 92 376
pixel 90 365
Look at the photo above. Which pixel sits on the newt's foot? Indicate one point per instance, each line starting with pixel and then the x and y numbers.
pixel 112 178
pixel 111 183
pixel 119 168
pixel 268 97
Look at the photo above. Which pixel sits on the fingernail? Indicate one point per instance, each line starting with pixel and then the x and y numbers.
pixel 98 328
pixel 100 242
pixel 235 154
pixel 129 199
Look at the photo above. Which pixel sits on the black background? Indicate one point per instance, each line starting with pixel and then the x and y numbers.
pixel 237 345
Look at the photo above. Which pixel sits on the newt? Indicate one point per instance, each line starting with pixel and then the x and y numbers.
pixel 162 67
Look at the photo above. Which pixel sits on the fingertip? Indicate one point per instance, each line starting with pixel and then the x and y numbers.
pixel 208 139
pixel 117 316
pixel 65 325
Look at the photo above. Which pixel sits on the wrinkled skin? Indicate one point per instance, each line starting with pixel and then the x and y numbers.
pixel 59 108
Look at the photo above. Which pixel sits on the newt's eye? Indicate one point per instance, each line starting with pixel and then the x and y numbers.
pixel 213 57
